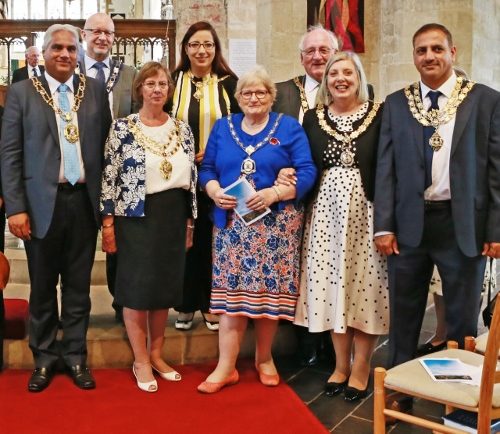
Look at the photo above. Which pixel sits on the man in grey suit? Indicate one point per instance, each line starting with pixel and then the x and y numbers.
pixel 52 147
pixel 32 67
pixel 99 33
pixel 294 97
pixel 437 197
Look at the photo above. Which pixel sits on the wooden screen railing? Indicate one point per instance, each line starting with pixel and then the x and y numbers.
pixel 129 35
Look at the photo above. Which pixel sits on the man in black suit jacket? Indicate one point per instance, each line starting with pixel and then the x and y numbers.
pixel 298 94
pixel 437 198
pixel 51 161
pixel 32 67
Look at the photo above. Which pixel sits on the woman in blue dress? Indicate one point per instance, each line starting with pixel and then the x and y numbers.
pixel 256 266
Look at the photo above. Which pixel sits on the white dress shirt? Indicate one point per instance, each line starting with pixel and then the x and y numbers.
pixel 54 85
pixel 92 72
pixel 31 71
pixel 440 187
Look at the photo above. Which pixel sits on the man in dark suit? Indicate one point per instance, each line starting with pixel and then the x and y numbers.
pixel 99 33
pixel 54 129
pixel 294 97
pixel 298 94
pixel 437 197
pixel 32 68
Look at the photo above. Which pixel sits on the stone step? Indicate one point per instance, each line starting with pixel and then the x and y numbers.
pixel 19 267
pixel 108 345
pixel 107 341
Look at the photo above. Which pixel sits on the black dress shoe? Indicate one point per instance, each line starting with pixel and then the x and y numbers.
pixel 333 388
pixel 308 359
pixel 351 394
pixel 82 377
pixel 40 379
pixel 428 348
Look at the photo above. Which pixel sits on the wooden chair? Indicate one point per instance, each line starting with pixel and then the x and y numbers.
pixel 411 379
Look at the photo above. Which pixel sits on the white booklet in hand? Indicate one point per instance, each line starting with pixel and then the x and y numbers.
pixel 451 370
pixel 242 190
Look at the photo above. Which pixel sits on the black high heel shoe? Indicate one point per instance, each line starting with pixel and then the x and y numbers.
pixel 351 394
pixel 333 388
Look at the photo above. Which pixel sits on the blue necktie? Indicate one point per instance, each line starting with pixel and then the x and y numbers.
pixel 428 132
pixel 100 71
pixel 71 163
pixel 35 72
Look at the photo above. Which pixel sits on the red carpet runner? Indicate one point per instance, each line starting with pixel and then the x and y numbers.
pixel 118 406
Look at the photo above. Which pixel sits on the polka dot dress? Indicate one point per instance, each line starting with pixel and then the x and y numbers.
pixel 343 277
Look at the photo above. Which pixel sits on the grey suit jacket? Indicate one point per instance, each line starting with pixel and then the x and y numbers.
pixel 123 103
pixel 30 150
pixel 22 73
pixel 474 171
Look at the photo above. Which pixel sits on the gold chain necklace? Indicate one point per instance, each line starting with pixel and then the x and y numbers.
pixel 302 92
pixel 71 133
pixel 346 140
pixel 165 150
pixel 435 118
pixel 205 81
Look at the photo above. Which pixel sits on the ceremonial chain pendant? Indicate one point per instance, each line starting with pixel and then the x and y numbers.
pixel 436 141
pixel 166 169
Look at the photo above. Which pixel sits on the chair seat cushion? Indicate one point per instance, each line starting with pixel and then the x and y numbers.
pixel 412 377
pixel 16 318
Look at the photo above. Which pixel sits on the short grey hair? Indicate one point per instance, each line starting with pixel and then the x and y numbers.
pixel 256 75
pixel 334 41
pixel 324 97
pixel 54 28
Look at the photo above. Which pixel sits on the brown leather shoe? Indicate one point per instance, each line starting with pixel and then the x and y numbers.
pixel 398 402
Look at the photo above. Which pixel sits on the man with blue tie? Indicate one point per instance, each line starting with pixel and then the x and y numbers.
pixel 52 147
pixel 32 68
pixel 99 34
pixel 437 197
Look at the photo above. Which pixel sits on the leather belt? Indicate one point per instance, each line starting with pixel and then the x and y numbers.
pixel 66 186
pixel 437 204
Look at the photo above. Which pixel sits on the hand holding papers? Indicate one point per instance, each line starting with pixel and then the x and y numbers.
pixel 242 190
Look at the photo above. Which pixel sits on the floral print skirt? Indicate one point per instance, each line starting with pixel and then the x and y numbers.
pixel 256 267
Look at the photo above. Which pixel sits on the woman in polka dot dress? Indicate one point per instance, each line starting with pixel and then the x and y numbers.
pixel 343 284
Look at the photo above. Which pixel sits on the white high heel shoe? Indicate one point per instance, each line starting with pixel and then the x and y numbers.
pixel 169 376
pixel 149 386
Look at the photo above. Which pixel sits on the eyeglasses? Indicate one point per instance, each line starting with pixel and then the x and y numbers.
pixel 99 32
pixel 259 94
pixel 206 45
pixel 151 85
pixel 323 51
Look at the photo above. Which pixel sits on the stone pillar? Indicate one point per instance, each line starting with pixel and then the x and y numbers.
pixel 485 62
pixel 280 24
pixel 390 25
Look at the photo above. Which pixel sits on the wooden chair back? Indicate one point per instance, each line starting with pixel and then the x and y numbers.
pixel 490 376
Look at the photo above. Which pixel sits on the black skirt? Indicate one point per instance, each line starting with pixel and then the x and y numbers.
pixel 151 253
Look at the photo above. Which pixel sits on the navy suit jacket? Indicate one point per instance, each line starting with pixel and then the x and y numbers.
pixel 31 155
pixel 22 73
pixel 474 171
